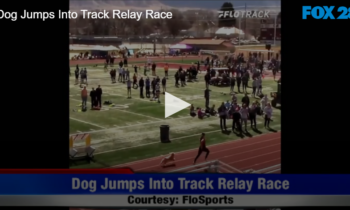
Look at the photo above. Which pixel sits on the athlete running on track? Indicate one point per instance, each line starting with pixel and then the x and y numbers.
pixel 202 148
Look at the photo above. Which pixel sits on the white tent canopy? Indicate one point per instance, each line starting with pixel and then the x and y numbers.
pixel 179 46
pixel 229 31
pixel 92 47
pixel 106 48
pixel 130 46
pixel 80 47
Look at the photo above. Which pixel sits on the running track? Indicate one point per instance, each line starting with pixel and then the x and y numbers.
pixel 250 153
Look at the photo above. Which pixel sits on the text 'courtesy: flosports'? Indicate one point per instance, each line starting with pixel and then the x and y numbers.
pixel 86 14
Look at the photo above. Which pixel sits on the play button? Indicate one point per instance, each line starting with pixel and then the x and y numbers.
pixel 174 104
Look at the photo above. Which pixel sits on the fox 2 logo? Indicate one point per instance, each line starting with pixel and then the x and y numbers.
pixel 325 12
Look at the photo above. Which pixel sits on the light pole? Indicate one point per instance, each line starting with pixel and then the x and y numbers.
pixel 274 36
pixel 154 45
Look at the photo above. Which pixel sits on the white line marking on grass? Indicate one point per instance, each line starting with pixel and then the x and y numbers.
pixel 157 142
pixel 128 112
pixel 82 121
pixel 154 118
pixel 143 123
pixel 140 99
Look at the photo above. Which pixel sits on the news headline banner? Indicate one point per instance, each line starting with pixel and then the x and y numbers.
pixel 85 14
pixel 178 190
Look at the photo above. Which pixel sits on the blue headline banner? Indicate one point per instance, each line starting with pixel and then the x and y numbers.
pixel 74 184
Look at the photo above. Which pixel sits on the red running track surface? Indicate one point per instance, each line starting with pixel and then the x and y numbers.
pixel 249 153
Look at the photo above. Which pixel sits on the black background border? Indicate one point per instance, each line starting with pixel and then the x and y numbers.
pixel 314 112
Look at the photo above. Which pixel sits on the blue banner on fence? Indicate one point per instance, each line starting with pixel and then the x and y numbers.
pixel 268 184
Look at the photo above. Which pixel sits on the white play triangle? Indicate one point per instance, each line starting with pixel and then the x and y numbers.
pixel 174 104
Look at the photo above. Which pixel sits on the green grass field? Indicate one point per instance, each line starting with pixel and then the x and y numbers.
pixel 130 131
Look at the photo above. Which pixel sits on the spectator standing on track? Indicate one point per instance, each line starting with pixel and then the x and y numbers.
pixel 255 85
pixel 153 86
pixel 252 115
pixel 125 61
pixel 227 105
pixel 123 75
pixel 223 114
pixel 232 84
pixel 99 96
pixel 207 80
pixel 166 69
pixel 264 101
pixel 199 66
pixel 127 74
pixel 134 78
pixel 141 85
pixel 274 72
pixel 148 85
pixel 113 75
pixel 164 84
pixel 268 115
pixel 244 116
pixel 76 72
pixel 206 96
pixel 246 100
pixel 259 86
pixel 85 76
pixel 128 85
pixel 158 92
pixel 234 106
pixel 245 79
pixel 93 98
pixel 135 69
pixel 239 81
pixel 145 68
pixel 234 98
pixel 121 64
pixel 177 78
pixel 154 69
pixel 183 78
pixel 202 148
pixel 120 76
pixel 84 95
pixel 236 120
pixel 82 76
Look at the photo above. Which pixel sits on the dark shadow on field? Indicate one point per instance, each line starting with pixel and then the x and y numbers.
pixel 226 132
pixel 241 135
pixel 256 130
pixel 248 134
pixel 272 130
pixel 169 165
